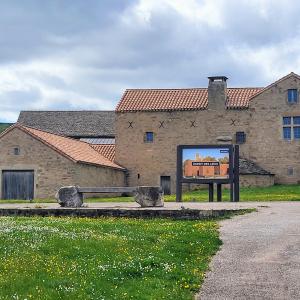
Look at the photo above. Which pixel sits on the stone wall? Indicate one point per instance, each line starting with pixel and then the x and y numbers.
pixel 256 180
pixel 146 162
pixel 266 144
pixel 51 170
pixel 262 123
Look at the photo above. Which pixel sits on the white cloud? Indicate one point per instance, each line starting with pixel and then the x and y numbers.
pixel 84 56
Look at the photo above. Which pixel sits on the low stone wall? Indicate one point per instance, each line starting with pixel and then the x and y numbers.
pixel 256 180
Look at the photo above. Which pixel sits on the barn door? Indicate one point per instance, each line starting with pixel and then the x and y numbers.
pixel 165 183
pixel 18 185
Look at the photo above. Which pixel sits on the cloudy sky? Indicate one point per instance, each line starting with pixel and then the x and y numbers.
pixel 82 54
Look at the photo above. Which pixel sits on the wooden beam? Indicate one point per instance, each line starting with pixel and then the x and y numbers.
pixel 106 189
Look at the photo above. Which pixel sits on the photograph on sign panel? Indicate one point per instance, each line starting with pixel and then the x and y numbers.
pixel 205 163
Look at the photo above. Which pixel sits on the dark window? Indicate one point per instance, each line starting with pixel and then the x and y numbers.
pixel 240 137
pixel 149 137
pixel 296 120
pixel 287 120
pixel 292 96
pixel 290 171
pixel 16 151
pixel 287 133
pixel 291 128
pixel 297 133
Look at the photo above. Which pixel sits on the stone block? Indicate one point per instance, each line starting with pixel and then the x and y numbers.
pixel 69 196
pixel 149 196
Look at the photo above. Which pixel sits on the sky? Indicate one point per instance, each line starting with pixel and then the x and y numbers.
pixel 83 54
pixel 191 153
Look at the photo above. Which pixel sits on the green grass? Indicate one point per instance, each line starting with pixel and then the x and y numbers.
pixel 106 258
pixel 3 126
pixel 272 193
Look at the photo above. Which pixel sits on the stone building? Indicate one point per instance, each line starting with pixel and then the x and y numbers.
pixel 36 163
pixel 150 123
pixel 96 127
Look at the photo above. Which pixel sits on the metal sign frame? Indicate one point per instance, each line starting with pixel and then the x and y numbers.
pixel 232 180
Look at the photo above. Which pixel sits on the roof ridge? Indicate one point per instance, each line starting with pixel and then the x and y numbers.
pixel 167 89
pixel 274 83
pixel 189 88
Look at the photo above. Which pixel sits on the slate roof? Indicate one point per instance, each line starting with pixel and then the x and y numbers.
pixel 180 99
pixel 71 123
pixel 248 167
pixel 75 150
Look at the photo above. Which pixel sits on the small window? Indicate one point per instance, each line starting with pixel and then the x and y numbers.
pixel 296 120
pixel 149 137
pixel 291 128
pixel 240 137
pixel 292 96
pixel 286 120
pixel 16 151
pixel 287 133
pixel 297 133
pixel 290 171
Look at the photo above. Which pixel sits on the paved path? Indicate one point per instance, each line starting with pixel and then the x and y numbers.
pixel 260 256
pixel 134 205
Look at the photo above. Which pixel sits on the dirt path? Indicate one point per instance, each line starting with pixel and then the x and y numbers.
pixel 260 256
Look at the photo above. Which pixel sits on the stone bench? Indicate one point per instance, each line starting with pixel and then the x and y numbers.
pixel 146 196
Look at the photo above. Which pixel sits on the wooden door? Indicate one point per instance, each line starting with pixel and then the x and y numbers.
pixel 165 183
pixel 18 185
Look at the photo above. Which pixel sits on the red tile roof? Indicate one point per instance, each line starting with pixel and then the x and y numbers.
pixel 107 150
pixel 180 99
pixel 75 150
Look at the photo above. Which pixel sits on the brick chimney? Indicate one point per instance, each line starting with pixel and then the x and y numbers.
pixel 217 94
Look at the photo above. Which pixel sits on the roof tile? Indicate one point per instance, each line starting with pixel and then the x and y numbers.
pixel 106 150
pixel 180 99
pixel 75 150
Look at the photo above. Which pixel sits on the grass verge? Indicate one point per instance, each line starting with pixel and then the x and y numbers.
pixel 272 193
pixel 106 258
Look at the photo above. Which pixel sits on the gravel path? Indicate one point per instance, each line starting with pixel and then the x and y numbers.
pixel 260 256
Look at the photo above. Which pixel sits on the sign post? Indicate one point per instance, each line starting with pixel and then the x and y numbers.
pixel 208 164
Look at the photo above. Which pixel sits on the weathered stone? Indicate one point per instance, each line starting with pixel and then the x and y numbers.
pixel 149 196
pixel 68 196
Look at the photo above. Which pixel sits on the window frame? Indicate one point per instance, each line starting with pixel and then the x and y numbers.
pixel 294 98
pixel 240 137
pixel 291 128
pixel 16 150
pixel 147 134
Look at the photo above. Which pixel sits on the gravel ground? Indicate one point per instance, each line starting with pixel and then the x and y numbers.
pixel 260 256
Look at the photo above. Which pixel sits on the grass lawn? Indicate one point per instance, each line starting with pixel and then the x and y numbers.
pixel 3 126
pixel 107 258
pixel 272 193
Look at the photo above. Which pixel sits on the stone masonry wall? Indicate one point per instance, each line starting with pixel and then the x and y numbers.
pixel 266 144
pixel 51 170
pixel 256 180
pixel 262 123
pixel 152 160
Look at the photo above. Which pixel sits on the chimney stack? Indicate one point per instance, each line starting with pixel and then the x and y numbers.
pixel 217 94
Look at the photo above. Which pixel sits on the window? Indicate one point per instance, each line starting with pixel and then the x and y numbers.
pixel 291 128
pixel 292 96
pixel 240 137
pixel 297 133
pixel 290 171
pixel 287 133
pixel 149 137
pixel 16 151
